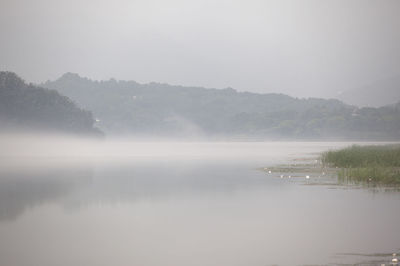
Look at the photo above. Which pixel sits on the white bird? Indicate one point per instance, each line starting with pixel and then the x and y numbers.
pixel 395 260
pixel 269 172
pixel 281 176
pixel 307 176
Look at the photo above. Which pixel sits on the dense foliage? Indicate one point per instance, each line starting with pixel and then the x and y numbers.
pixel 378 164
pixel 27 107
pixel 127 107
pixel 362 156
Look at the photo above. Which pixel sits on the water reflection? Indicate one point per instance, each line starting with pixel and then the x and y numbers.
pixel 188 212
pixel 24 189
pixel 74 187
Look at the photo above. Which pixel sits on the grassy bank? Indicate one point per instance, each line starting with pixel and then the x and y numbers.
pixel 375 164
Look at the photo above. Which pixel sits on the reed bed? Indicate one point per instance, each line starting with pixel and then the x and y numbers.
pixel 372 164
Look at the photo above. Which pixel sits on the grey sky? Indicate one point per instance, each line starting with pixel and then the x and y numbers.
pixel 306 48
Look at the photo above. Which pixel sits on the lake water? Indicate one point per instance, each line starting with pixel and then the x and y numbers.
pixel 184 204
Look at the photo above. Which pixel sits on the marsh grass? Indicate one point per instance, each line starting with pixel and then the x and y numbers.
pixel 372 164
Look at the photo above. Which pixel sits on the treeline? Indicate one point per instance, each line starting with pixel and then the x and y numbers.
pixel 127 107
pixel 28 107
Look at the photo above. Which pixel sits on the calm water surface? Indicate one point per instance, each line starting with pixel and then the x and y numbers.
pixel 183 204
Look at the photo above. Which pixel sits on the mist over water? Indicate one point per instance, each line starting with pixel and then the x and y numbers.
pixel 79 148
pixel 74 201
pixel 190 133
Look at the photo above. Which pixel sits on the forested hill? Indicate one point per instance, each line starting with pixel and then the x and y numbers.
pixel 130 108
pixel 27 107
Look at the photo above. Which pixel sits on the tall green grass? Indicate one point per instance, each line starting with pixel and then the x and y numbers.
pixel 377 164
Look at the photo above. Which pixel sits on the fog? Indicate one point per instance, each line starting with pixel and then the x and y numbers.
pixel 185 133
pixel 301 48
pixel 124 201
pixel 26 147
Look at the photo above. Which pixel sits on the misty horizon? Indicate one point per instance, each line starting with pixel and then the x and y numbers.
pixel 126 108
pixel 393 96
pixel 300 48
pixel 337 96
pixel 199 132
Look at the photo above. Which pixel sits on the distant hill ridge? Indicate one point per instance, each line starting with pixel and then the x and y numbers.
pixel 28 107
pixel 154 109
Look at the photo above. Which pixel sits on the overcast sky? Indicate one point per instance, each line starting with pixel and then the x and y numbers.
pixel 303 48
